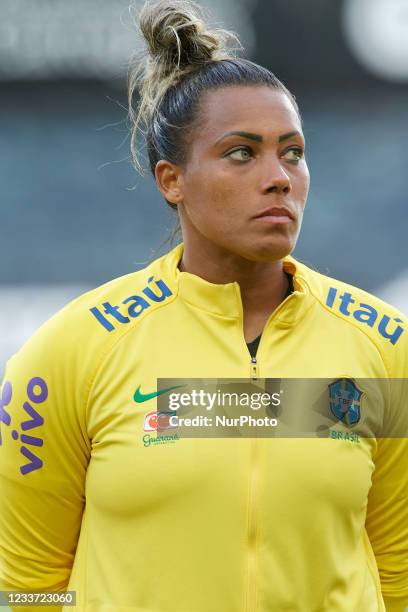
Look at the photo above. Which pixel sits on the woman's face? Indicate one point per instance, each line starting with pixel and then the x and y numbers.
pixel 246 157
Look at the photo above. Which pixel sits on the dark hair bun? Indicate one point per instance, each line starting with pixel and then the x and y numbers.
pixel 179 42
pixel 177 35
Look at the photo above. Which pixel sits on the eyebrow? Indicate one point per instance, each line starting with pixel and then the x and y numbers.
pixel 258 137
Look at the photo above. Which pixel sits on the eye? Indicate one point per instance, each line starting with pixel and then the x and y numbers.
pixel 294 154
pixel 241 154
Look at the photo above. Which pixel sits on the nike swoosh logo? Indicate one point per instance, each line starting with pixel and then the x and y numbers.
pixel 143 397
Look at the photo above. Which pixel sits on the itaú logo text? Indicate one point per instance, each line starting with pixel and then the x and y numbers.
pixel 366 314
pixel 135 305
pixel 158 421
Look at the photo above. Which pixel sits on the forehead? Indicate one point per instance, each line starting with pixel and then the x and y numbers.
pixel 258 109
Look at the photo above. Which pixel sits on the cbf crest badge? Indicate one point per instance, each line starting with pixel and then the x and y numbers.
pixel 345 401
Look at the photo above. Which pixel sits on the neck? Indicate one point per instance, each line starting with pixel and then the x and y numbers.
pixel 263 284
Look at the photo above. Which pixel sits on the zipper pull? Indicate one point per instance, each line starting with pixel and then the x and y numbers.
pixel 254 368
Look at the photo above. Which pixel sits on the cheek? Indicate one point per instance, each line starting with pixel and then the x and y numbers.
pixel 229 207
pixel 213 196
pixel 232 191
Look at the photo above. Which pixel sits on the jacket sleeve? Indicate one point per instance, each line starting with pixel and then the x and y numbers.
pixel 387 511
pixel 44 452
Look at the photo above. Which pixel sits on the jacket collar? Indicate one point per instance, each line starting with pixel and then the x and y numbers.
pixel 225 299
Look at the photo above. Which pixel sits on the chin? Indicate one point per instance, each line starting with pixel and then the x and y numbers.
pixel 271 252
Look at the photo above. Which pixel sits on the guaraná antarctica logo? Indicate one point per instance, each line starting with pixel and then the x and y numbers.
pixel 156 421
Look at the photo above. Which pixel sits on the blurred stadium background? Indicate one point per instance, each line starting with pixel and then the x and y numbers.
pixel 73 212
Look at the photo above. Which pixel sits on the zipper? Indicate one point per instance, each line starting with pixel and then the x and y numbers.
pixel 251 586
pixel 254 369
pixel 254 365
pixel 253 519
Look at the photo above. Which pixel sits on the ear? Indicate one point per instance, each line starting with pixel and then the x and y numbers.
pixel 169 181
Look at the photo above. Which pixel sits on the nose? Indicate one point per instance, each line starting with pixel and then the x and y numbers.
pixel 277 180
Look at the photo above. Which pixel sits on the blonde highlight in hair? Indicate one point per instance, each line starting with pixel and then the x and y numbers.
pixel 178 43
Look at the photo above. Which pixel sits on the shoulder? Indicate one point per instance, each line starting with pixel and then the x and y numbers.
pixel 127 299
pixel 57 365
pixel 113 305
pixel 382 323
pixel 75 337
pixel 122 302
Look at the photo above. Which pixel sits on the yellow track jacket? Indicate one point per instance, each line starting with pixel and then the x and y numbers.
pixel 93 500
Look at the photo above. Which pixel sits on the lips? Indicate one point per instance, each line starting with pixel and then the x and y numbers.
pixel 276 211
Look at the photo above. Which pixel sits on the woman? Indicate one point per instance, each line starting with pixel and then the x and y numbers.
pixel 95 496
